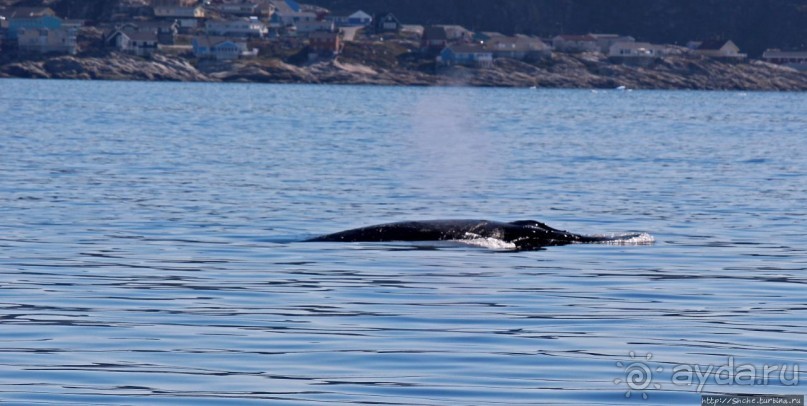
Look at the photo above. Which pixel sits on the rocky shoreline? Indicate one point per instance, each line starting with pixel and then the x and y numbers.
pixel 586 71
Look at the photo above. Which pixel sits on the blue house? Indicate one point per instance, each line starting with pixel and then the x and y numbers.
pixel 31 18
pixel 35 23
pixel 465 54
pixel 220 48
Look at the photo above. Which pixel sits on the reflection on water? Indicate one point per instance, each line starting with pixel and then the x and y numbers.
pixel 147 248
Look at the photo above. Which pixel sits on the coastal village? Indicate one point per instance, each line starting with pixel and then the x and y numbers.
pixel 219 34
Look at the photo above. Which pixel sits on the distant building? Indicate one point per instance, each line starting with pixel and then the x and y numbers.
pixel 575 43
pixel 325 43
pixel 290 18
pixel 247 8
pixel 357 19
pixel 792 59
pixel 242 27
pixel 305 28
pixel 177 9
pixel 386 22
pixel 434 39
pixel 140 43
pixel 220 48
pixel 605 41
pixel 457 33
pixel 484 36
pixel 519 47
pixel 465 54
pixel 724 49
pixel 30 18
pixel 47 40
pixel 166 31
pixel 637 50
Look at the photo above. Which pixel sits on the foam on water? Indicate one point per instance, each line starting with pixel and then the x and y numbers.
pixel 490 243
pixel 629 239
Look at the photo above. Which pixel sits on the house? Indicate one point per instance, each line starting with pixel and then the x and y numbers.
pixel 456 33
pixel 289 18
pixel 26 12
pixel 305 28
pixel 286 6
pixel 637 52
pixel 181 9
pixel 519 47
pixel 47 40
pixel 220 48
pixel 465 54
pixel 165 30
pixel 484 36
pixel 250 27
pixel 247 8
pixel 575 43
pixel 718 49
pixel 325 43
pixel 358 19
pixel 434 39
pixel 386 22
pixel 792 59
pixel 30 18
pixel 142 43
pixel 605 41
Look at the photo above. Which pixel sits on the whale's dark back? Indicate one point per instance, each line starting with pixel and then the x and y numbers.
pixel 525 234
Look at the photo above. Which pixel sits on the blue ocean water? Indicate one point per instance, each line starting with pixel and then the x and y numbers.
pixel 149 254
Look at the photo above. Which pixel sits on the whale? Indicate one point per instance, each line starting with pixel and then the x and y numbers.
pixel 523 234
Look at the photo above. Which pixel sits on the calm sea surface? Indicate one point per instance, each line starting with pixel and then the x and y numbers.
pixel 148 248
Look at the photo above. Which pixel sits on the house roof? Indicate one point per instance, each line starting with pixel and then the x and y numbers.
pixel 577 38
pixel 520 43
pixel 712 45
pixel 385 15
pixel 142 36
pixel 435 33
pixel 212 41
pixel 29 12
pixel 360 15
pixel 468 49
pixel 778 53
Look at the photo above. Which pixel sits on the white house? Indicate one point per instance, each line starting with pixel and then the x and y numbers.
pixel 517 47
pixel 173 11
pixel 604 41
pixel 637 50
pixel 575 43
pixel 220 48
pixel 252 8
pixel 359 19
pixel 241 27
pixel 793 59
pixel 456 32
